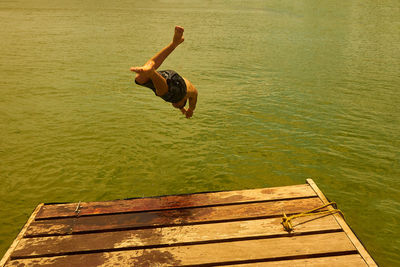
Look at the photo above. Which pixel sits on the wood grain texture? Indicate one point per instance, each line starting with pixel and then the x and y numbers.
pixel 170 217
pixel 275 248
pixel 174 202
pixel 168 236
pixel 239 228
pixel 335 261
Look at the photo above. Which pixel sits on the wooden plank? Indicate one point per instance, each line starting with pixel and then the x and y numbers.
pixel 335 261
pixel 170 217
pixel 363 252
pixel 174 202
pixel 218 232
pixel 233 252
pixel 19 237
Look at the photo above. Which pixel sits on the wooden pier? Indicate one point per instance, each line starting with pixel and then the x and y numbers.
pixel 233 228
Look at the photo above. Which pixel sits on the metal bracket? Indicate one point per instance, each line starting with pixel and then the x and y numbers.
pixel 77 210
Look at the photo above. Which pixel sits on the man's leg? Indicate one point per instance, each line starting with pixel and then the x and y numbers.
pixel 159 58
pixel 144 73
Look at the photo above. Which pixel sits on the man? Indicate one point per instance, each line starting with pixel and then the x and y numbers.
pixel 168 84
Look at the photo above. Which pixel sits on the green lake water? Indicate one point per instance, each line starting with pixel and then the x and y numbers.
pixel 288 90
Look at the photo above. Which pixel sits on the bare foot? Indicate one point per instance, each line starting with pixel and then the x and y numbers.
pixel 145 69
pixel 178 36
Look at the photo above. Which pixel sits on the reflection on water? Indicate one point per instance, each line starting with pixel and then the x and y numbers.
pixel 287 91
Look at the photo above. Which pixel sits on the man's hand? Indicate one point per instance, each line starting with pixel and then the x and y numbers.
pixel 189 113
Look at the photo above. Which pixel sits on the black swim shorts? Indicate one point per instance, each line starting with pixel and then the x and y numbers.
pixel 176 86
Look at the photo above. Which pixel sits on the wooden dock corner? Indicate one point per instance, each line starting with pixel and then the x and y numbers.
pixel 230 228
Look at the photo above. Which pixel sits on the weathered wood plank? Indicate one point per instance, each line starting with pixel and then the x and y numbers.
pixel 275 248
pixel 336 261
pixel 217 232
pixel 10 251
pixel 170 217
pixel 174 202
pixel 363 252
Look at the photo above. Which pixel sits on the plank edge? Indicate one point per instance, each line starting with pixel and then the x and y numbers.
pixel 346 228
pixel 21 234
pixel 42 216
pixel 180 195
pixel 131 247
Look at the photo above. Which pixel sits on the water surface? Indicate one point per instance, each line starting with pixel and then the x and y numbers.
pixel 288 90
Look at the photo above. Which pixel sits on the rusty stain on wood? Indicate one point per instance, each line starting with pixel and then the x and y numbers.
pixel 175 202
pixel 170 217
pixel 218 228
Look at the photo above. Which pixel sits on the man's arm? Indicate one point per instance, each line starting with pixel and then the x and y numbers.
pixel 192 103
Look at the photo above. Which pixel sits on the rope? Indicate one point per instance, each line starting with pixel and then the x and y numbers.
pixel 287 221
